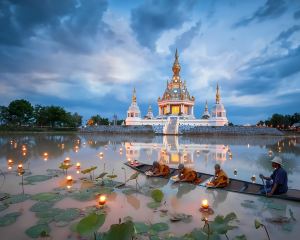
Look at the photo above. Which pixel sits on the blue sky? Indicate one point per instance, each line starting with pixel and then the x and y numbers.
pixel 88 55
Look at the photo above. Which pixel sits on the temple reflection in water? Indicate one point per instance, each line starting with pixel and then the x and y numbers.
pixel 171 152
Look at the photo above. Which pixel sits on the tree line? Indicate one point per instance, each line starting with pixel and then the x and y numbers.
pixel 281 121
pixel 21 113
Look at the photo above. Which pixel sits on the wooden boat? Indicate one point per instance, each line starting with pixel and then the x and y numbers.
pixel 235 185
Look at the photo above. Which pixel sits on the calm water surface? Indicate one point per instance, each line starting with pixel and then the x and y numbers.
pixel 247 155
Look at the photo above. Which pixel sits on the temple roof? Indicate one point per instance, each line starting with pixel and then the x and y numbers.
pixel 176 89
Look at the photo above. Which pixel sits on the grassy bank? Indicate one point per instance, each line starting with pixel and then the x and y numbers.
pixel 21 129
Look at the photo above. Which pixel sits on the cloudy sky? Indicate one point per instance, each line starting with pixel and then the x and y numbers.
pixel 88 55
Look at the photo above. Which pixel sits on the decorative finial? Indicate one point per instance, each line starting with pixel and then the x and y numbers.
pixel 176 65
pixel 134 96
pixel 218 96
pixel 206 106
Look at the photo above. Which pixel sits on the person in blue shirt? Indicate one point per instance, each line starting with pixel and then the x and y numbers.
pixel 277 182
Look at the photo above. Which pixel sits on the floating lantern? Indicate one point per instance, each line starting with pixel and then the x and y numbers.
pixel 20 169
pixel 204 204
pixel 121 149
pixel 67 161
pixel 78 165
pixel 235 172
pixel 102 200
pixel 253 178
pixel 69 186
pixel 78 171
pixel 24 148
pixel 45 154
pixel 69 179
pixel 9 168
pixel 10 162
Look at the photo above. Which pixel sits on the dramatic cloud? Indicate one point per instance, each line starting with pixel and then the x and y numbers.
pixel 153 17
pixel 271 9
pixel 88 55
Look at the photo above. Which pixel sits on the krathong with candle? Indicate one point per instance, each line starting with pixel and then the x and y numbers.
pixel 78 165
pixel 205 208
pixel 69 179
pixel 102 200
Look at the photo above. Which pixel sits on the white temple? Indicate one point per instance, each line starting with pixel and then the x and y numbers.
pixel 176 108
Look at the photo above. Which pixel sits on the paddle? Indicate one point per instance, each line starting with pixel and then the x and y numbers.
pixel 264 184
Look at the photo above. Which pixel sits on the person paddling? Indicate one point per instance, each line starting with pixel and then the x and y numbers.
pixel 277 182
pixel 187 175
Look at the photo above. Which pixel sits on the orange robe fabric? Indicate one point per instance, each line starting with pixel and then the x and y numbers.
pixel 190 175
pixel 221 179
pixel 162 170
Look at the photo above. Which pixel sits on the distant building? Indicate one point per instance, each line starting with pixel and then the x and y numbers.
pixel 176 107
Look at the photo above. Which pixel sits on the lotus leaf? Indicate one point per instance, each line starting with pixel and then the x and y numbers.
pixel 257 224
pixel 67 215
pixel 41 206
pixel 38 230
pixel 9 218
pixel 133 176
pixel 159 227
pixel 83 195
pixel 49 213
pixel 153 205
pixel 45 220
pixel 37 178
pixel 112 176
pixel 54 172
pixel 3 207
pixel 141 227
pixel 17 198
pixel 102 175
pixel 124 231
pixel 47 196
pixel 157 195
pixel 64 166
pixel 197 234
pixel 220 225
pixel 88 170
pixel 90 224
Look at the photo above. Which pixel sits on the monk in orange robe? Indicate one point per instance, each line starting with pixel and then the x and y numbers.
pixel 160 170
pixel 220 179
pixel 187 175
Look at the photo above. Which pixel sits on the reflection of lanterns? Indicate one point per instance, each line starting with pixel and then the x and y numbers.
pixel 102 200
pixel 78 171
pixel 253 178
pixel 67 161
pixel 10 163
pixel 24 148
pixel 78 165
pixel 204 204
pixel 20 169
pixel 270 153
pixel 69 179
pixel 235 172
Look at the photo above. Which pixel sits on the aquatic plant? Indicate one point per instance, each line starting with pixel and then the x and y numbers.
pixel 65 167
pixel 38 230
pixel 90 223
pixel 258 225
pixel 157 195
pixel 9 219
pixel 90 170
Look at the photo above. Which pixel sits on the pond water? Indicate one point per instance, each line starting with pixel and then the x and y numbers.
pixel 42 154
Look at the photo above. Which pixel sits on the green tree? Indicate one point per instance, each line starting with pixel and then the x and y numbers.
pixel 3 114
pixel 98 120
pixel 20 112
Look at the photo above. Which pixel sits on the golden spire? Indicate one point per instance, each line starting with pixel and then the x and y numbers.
pixel 218 96
pixel 176 65
pixel 134 96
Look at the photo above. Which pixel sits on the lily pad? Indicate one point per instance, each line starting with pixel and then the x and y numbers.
pixel 36 178
pixel 83 195
pixel 61 224
pixel 90 224
pixel 157 195
pixel 41 206
pixel 9 218
pixel 153 205
pixel 67 215
pixel 47 196
pixel 17 198
pixel 88 170
pixel 124 231
pixel 141 227
pixel 3 207
pixel 49 213
pixel 159 227
pixel 38 230
pixel 54 172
